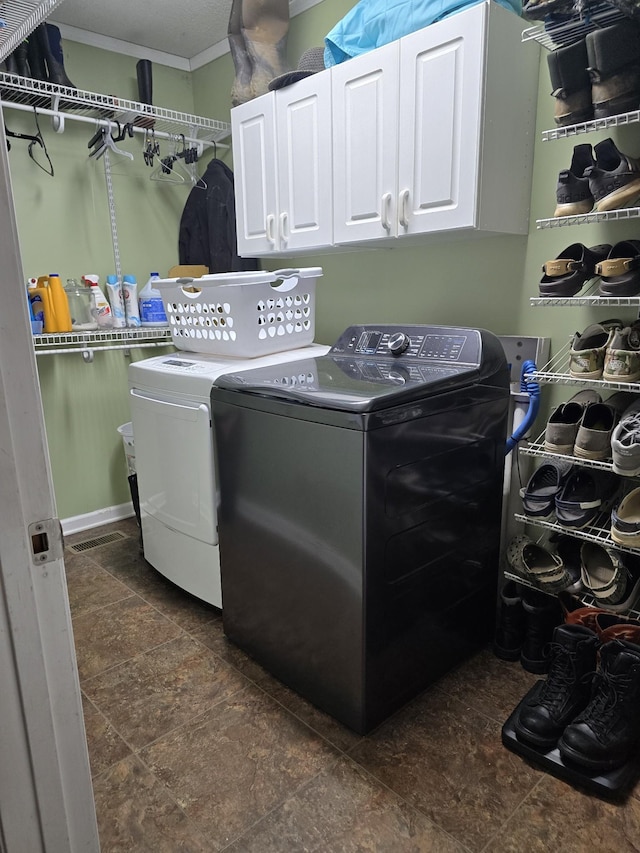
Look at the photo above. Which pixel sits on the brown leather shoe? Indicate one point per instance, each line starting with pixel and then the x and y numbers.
pixel 609 626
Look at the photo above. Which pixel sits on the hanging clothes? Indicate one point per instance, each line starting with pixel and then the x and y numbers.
pixel 208 224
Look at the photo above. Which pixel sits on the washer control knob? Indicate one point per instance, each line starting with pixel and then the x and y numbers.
pixel 398 342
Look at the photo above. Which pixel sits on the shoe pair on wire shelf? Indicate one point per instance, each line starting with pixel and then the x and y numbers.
pixel 611 576
pixel 609 350
pixel 599 179
pixel 584 427
pixel 616 269
pixel 573 494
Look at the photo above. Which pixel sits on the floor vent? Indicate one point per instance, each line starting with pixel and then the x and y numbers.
pixel 97 541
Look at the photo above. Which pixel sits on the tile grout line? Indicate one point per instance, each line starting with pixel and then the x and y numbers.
pixel 512 816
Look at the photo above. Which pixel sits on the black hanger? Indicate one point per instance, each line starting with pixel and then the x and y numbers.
pixel 33 141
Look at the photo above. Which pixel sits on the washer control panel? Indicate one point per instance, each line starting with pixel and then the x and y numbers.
pixel 427 343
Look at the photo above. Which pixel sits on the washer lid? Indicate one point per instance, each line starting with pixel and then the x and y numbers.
pixel 361 373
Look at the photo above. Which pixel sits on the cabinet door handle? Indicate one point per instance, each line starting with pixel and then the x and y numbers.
pixel 284 219
pixel 386 211
pixel 271 221
pixel 403 214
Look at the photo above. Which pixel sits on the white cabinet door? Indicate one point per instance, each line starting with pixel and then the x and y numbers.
pixel 365 135
pixel 254 158
pixel 440 122
pixel 303 133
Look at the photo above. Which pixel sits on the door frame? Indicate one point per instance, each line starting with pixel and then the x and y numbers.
pixel 46 797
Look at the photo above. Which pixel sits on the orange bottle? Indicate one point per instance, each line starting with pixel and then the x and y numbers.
pixel 60 304
pixel 40 296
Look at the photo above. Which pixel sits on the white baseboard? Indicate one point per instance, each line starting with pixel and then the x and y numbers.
pixel 78 523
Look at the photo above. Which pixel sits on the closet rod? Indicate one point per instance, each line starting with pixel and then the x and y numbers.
pixel 110 123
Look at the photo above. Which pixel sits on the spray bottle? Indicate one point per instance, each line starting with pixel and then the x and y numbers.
pixel 101 307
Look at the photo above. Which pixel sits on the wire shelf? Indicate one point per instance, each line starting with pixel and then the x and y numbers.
pixel 584 597
pixel 587 218
pixel 556 371
pixel 77 103
pixel 106 336
pixel 599 531
pixel 21 17
pixel 589 297
pixel 591 126
pixel 537 448
pixel 559 31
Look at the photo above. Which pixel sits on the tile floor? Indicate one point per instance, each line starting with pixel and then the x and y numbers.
pixel 196 748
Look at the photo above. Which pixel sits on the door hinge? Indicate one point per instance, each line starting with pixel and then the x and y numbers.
pixel 46 541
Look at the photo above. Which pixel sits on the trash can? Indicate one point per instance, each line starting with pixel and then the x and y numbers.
pixel 126 433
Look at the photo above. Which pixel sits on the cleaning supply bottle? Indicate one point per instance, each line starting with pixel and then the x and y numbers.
pixel 101 308
pixel 80 304
pixel 151 304
pixel 130 294
pixel 114 292
pixel 60 304
pixel 40 300
pixel 51 300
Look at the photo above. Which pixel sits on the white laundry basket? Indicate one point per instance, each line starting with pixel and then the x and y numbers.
pixel 126 433
pixel 242 314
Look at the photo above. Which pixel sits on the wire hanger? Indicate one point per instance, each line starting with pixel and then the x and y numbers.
pixel 37 140
pixel 170 169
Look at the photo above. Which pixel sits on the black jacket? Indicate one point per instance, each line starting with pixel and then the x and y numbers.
pixel 208 224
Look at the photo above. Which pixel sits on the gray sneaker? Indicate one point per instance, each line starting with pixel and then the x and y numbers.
pixel 625 443
pixel 593 439
pixel 562 426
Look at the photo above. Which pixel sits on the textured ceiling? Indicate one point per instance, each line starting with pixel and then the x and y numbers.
pixel 184 28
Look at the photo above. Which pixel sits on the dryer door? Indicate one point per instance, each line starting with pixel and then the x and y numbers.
pixel 175 464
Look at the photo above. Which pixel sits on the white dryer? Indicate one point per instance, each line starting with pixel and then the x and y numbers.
pixel 177 482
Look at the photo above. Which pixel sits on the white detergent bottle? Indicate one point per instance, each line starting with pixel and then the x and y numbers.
pixel 114 294
pixel 130 295
pixel 151 304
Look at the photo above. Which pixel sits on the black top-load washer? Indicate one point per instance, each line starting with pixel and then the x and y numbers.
pixel 360 506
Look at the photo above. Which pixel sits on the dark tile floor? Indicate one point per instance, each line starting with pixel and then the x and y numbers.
pixel 194 747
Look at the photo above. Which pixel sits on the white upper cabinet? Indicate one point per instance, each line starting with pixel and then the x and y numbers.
pixel 282 159
pixel 430 135
pixel 365 145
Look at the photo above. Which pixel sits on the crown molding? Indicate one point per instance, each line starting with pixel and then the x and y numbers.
pixel 124 47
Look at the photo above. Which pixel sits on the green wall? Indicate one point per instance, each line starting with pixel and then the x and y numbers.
pixel 63 225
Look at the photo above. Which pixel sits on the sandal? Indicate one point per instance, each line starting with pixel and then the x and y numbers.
pixel 566 274
pixel 540 567
pixel 621 270
pixel 539 495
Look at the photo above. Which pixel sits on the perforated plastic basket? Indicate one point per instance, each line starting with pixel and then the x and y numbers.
pixel 242 314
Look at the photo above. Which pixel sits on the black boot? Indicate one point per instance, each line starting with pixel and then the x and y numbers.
pixel 605 735
pixel 543 613
pixel 566 691
pixel 511 623
pixel 37 62
pixel 49 45
pixel 571 84
pixel 21 54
